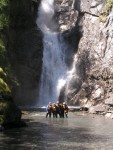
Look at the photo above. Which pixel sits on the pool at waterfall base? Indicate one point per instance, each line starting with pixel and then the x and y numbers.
pixel 80 131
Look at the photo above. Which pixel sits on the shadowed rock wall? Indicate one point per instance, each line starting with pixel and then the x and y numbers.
pixel 25 50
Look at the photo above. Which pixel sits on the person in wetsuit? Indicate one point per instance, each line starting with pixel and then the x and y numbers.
pixel 65 107
pixel 54 110
pixel 58 108
pixel 61 111
pixel 49 110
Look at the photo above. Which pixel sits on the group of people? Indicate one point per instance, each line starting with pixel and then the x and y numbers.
pixel 57 109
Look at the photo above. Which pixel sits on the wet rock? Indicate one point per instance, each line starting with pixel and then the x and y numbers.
pixel 83 108
pixel 66 14
pixel 10 115
pixel 109 101
pixel 112 116
pixel 88 104
pixel 74 85
pixel 109 115
pixel 97 92
pixel 100 108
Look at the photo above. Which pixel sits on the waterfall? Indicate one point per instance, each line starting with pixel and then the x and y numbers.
pixel 54 68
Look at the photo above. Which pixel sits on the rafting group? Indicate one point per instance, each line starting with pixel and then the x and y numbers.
pixel 57 109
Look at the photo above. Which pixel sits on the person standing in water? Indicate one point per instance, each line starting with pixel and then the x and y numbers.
pixel 65 107
pixel 49 110
pixel 58 108
pixel 54 110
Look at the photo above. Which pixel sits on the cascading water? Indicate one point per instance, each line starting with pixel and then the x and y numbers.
pixel 54 68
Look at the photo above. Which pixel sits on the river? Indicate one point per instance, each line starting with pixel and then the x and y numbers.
pixel 80 131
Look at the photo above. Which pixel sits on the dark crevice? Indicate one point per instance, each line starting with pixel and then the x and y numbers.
pixel 83 13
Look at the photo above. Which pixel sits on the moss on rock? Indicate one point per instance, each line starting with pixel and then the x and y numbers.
pixel 4 87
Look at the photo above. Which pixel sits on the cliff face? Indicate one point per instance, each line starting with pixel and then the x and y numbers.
pixel 25 50
pixel 93 25
pixel 97 41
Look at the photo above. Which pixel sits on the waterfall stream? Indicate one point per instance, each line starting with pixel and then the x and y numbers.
pixel 54 68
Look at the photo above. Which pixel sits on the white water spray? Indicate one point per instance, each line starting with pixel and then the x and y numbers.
pixel 70 75
pixel 54 69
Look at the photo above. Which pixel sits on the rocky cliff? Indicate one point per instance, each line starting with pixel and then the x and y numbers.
pixel 97 40
pixel 91 22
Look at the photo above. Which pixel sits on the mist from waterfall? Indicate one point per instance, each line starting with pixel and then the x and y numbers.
pixel 54 68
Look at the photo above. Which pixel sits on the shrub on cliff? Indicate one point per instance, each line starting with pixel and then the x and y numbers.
pixel 106 10
pixel 4 88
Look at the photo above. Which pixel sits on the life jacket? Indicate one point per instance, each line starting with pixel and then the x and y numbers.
pixel 54 107
pixel 49 107
pixel 65 108
pixel 61 108
pixel 57 107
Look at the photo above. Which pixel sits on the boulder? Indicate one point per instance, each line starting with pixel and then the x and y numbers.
pixel 109 101
pixel 109 114
pixel 10 115
pixel 100 108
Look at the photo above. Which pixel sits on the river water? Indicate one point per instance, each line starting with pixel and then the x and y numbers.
pixel 77 132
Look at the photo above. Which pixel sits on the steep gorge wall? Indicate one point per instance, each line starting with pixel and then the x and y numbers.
pixel 25 50
pixel 97 41
pixel 95 55
pixel 87 26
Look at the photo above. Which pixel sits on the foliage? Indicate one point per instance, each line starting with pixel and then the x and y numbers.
pixel 3 3
pixel 4 64
pixel 2 72
pixel 106 10
pixel 4 21
pixel 4 13
pixel 8 110
pixel 4 88
pixel 3 108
